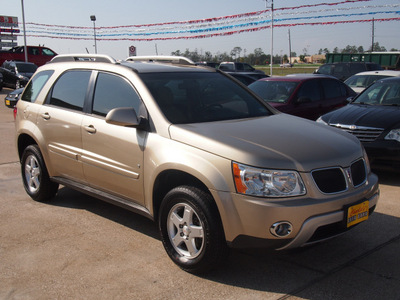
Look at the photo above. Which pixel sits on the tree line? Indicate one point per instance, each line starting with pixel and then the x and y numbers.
pixel 258 57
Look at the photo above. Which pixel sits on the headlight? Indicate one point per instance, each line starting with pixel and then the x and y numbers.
pixel 267 183
pixel 393 135
pixel 22 77
pixel 13 96
pixel 319 120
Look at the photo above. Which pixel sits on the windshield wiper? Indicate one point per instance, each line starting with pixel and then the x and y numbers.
pixel 391 104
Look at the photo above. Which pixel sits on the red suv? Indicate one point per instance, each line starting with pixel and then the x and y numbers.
pixel 307 96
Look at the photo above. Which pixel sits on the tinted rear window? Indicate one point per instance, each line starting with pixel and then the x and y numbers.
pixel 274 91
pixel 35 86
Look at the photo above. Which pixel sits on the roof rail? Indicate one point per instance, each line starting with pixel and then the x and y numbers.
pixel 163 58
pixel 84 57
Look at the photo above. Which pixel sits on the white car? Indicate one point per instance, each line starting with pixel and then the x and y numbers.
pixel 360 81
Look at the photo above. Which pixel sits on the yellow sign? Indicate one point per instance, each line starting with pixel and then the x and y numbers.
pixel 357 213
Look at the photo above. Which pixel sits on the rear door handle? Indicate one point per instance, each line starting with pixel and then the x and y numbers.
pixel 46 116
pixel 90 128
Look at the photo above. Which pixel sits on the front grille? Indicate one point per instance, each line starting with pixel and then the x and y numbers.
pixel 358 173
pixel 336 180
pixel 364 134
pixel 330 180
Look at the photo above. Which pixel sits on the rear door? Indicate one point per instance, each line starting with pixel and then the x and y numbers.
pixel 60 120
pixel 308 100
pixel 334 95
pixel 113 155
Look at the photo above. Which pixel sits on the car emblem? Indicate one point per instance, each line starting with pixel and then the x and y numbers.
pixel 353 127
pixel 348 174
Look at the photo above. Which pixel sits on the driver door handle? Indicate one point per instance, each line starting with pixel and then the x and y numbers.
pixel 90 128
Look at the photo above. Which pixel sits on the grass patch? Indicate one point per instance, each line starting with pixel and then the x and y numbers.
pixel 278 71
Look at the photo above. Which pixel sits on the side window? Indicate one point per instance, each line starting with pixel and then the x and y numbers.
pixel 47 51
pixel 332 89
pixel 33 50
pixel 357 68
pixel 325 69
pixel 310 89
pixel 240 67
pixel 70 90
pixel 35 86
pixel 113 91
pixel 247 67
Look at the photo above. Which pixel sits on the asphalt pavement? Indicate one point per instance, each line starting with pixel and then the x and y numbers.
pixel 78 247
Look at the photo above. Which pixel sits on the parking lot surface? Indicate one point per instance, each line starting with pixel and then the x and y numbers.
pixel 78 247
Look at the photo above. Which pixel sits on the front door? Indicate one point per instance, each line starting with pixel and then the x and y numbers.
pixel 113 155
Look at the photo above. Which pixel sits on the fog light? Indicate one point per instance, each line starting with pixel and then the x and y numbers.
pixel 281 229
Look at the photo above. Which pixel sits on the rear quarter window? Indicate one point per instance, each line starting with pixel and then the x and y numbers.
pixel 35 86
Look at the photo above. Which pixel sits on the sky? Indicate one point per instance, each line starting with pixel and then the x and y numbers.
pixel 56 20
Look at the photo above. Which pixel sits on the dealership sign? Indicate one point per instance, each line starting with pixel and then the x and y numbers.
pixel 7 21
pixel 8 39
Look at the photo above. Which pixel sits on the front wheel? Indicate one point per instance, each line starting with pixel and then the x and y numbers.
pixel 191 229
pixel 35 177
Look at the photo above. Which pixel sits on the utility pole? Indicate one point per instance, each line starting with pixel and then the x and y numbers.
pixel 373 34
pixel 23 21
pixel 290 49
pixel 272 33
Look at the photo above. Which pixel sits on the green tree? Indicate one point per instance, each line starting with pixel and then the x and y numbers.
pixel 377 48
pixel 349 49
pixel 236 52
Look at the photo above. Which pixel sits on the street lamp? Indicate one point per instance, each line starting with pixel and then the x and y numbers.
pixel 93 18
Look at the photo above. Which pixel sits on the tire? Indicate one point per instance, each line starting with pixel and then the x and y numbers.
pixel 35 177
pixel 191 229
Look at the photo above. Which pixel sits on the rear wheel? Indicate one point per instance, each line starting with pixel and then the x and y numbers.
pixel 35 177
pixel 191 229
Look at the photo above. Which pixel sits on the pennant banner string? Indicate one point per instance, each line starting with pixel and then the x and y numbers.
pixel 213 19
pixel 220 28
pixel 225 33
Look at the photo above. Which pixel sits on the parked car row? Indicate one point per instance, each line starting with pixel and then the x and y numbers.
pixel 310 96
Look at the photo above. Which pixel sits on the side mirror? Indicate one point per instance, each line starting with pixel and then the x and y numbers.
pixel 123 116
pixel 350 99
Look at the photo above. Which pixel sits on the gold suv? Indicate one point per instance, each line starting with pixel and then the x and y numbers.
pixel 193 149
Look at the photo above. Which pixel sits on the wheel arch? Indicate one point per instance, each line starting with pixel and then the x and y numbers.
pixel 24 140
pixel 169 179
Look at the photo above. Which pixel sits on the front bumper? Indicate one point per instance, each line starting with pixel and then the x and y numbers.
pixel 314 218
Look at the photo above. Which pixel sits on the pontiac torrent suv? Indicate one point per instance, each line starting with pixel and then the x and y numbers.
pixel 192 149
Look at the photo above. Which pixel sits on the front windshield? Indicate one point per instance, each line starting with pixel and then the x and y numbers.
pixel 274 91
pixel 381 93
pixel 193 97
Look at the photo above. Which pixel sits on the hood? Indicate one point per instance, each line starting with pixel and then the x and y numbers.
pixel 278 142
pixel 365 115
